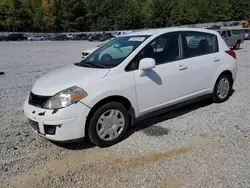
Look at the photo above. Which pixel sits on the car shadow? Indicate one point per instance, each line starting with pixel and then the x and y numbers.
pixel 82 144
pixel 170 113
pixel 166 114
pixel 151 74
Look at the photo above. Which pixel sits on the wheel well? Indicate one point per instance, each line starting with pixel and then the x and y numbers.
pixel 124 101
pixel 229 73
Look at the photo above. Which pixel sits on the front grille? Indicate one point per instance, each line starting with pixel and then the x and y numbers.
pixel 37 100
pixel 34 125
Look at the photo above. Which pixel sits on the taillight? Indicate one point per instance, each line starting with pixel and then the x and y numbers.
pixel 231 53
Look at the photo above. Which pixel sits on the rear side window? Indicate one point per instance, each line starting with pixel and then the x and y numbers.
pixel 197 44
pixel 228 33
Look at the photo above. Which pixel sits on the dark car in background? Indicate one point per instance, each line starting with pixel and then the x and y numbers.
pixel 3 38
pixel 213 27
pixel 16 37
pixel 80 37
pixel 106 37
pixel 60 37
pixel 94 37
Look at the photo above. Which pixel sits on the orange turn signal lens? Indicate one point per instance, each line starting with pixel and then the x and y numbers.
pixel 78 96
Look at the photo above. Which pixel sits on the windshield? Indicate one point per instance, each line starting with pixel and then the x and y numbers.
pixel 113 52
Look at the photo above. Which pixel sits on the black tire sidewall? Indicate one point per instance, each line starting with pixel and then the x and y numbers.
pixel 92 134
pixel 216 98
pixel 237 46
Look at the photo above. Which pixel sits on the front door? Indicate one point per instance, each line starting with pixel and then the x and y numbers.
pixel 161 85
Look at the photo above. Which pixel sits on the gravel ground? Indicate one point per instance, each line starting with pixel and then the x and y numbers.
pixel 201 145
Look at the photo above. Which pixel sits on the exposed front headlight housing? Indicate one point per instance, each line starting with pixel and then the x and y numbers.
pixel 65 98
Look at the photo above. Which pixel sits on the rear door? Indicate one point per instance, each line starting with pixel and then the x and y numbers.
pixel 200 58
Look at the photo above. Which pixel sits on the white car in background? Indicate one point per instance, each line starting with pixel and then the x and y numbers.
pixel 127 78
pixel 36 38
pixel 86 52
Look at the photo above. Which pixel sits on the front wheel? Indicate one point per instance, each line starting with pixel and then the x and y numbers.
pixel 108 125
pixel 222 89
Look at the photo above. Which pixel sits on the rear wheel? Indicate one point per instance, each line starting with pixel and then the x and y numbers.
pixel 222 89
pixel 108 125
pixel 237 46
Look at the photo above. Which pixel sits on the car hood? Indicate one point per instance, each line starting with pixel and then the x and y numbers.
pixel 56 81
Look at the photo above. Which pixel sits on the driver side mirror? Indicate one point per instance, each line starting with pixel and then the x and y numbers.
pixel 146 64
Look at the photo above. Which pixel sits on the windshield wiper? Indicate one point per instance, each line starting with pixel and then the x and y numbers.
pixel 91 65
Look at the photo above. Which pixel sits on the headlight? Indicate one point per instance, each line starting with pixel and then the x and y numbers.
pixel 65 98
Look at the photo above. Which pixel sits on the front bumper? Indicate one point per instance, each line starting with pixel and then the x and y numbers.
pixel 62 125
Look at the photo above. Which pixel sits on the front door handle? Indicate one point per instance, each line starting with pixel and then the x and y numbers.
pixel 182 67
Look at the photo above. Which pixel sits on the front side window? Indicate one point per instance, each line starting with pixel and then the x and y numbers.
pixel 163 49
pixel 197 43
pixel 228 33
pixel 113 52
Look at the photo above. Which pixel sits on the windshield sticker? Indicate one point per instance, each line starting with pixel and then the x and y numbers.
pixel 137 39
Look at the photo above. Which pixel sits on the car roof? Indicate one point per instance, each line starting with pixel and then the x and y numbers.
pixel 167 30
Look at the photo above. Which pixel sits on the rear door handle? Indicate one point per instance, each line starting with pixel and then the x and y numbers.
pixel 216 59
pixel 182 67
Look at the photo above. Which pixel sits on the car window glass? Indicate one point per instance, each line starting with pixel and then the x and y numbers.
pixel 163 49
pixel 223 34
pixel 228 33
pixel 118 51
pixel 115 51
pixel 196 43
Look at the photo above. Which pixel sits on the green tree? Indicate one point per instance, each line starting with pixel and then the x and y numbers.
pixel 99 15
pixel 51 14
pixel 73 15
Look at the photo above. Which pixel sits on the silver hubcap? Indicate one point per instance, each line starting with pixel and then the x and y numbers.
pixel 110 125
pixel 223 88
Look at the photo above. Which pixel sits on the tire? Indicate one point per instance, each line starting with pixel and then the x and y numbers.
pixel 237 46
pixel 218 97
pixel 94 125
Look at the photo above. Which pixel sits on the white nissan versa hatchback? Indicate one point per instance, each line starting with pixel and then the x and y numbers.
pixel 130 76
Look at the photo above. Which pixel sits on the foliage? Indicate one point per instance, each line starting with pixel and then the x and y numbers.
pixel 90 15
